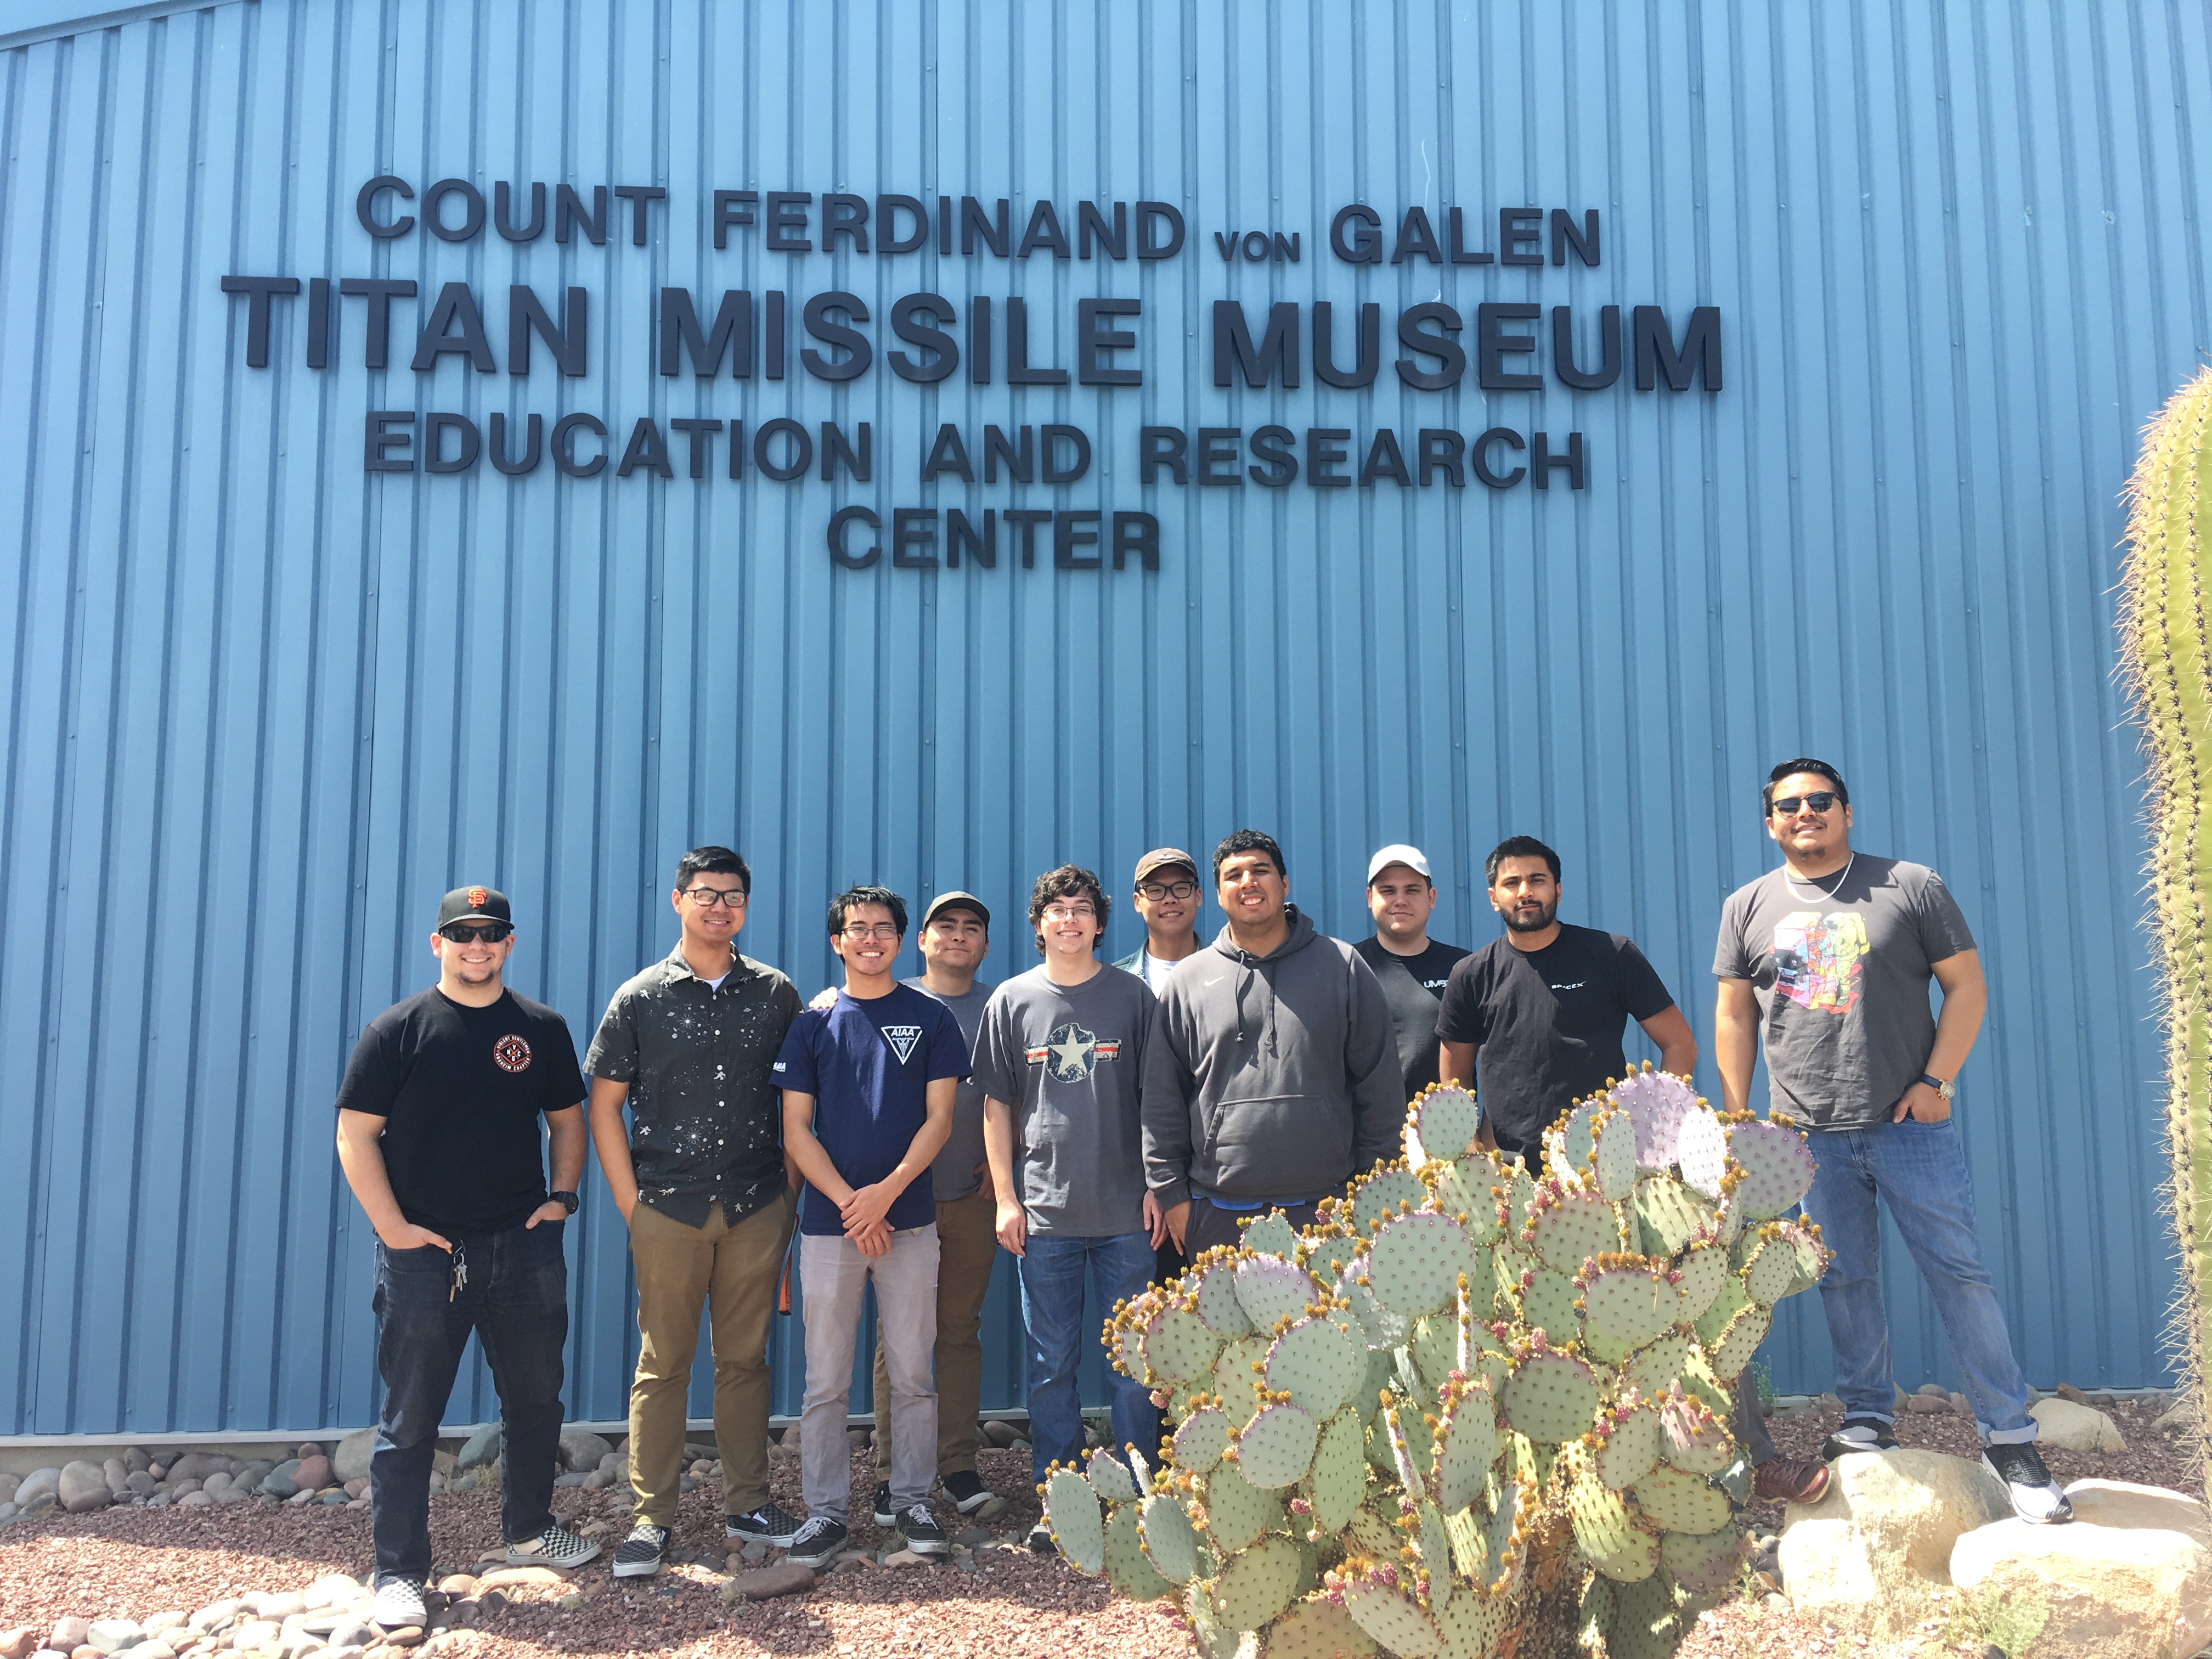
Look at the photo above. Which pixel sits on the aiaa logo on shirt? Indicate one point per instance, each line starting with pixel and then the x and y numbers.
pixel 902 1039
pixel 1071 1053
pixel 511 1053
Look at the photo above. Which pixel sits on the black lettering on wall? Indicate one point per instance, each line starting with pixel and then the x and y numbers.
pixel 1368 362
pixel 639 197
pixel 1563 348
pixel 1440 346
pixel 947 455
pixel 731 334
pixel 1044 231
pixel 503 219
pixel 842 554
pixel 1092 227
pixel 1018 372
pixel 364 207
pixel 1092 343
pixel 533 445
pixel 1138 534
pixel 1355 236
pixel 258 290
pixel 645 449
pixel 961 535
pixel 845 216
pixel 568 216
pixel 564 445
pixel 906 317
pixel 1493 345
pixel 1541 460
pixel 1274 466
pixel 731 207
pixel 1566 236
pixel 1276 353
pixel 993 229
pixel 820 320
pixel 566 340
pixel 380 292
pixel 1656 352
pixel 454 305
pixel 1478 453
pixel 701 434
pixel 859 459
pixel 786 221
pixel 888 208
pixel 472 218
pixel 1152 214
pixel 913 526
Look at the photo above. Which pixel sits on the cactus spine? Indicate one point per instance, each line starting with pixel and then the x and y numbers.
pixel 2166 655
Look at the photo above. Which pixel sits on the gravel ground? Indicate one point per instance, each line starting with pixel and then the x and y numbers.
pixel 1004 1602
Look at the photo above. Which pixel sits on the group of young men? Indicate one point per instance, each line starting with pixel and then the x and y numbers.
pixel 1102 1124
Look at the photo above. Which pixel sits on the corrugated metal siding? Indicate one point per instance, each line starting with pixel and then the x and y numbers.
pixel 264 708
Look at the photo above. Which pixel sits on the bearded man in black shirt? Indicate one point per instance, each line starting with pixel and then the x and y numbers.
pixel 438 1134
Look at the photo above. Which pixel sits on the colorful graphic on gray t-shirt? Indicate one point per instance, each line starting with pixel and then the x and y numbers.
pixel 1840 969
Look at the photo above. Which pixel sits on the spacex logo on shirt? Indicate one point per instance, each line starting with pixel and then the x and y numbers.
pixel 902 1039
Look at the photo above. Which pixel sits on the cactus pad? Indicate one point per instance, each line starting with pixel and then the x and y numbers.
pixel 1601 1518
pixel 1702 1150
pixel 1397 1623
pixel 1656 1103
pixel 1217 1305
pixel 1637 1558
pixel 1237 1377
pixel 1200 1440
pixel 1550 1398
pixel 1070 1509
pixel 1467 1441
pixel 1272 1235
pixel 1318 1363
pixel 1170 1540
pixel 1471 1627
pixel 1613 1167
pixel 1338 1480
pixel 1772 1272
pixel 1573 1227
pixel 1237 1511
pixel 1668 1215
pixel 1442 1123
pixel 1628 1306
pixel 1370 1534
pixel 1628 1452
pixel 1434 1544
pixel 1178 1347
pixel 1697 1441
pixel 1381 1194
pixel 1276 1447
pixel 1127 1568
pixel 1109 1479
pixel 1384 1328
pixel 1778 1167
pixel 1577 1138
pixel 1732 1300
pixel 1739 1342
pixel 1704 1270
pixel 1256 1584
pixel 1316 1628
pixel 1414 1265
pixel 1703 1564
pixel 1655 1369
pixel 1270 1288
pixel 1505 1549
pixel 1548 1305
pixel 1680 1502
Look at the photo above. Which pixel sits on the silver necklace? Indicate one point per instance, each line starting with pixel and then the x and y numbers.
pixel 1790 881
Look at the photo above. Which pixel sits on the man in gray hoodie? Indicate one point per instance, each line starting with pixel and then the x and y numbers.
pixel 1272 1072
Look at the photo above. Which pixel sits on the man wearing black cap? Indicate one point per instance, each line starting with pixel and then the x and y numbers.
pixel 439 1136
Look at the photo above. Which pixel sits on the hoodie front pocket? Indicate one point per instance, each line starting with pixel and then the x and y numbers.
pixel 1275 1143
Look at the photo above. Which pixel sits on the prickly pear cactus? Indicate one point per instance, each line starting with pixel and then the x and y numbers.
pixel 2167 659
pixel 1468 1413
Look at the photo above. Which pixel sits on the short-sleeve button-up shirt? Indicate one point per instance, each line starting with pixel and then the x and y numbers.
pixel 706 1118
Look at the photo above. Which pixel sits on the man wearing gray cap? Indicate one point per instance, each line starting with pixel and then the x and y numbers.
pixel 1411 967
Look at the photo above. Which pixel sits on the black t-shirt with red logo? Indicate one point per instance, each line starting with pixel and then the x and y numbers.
pixel 460 1091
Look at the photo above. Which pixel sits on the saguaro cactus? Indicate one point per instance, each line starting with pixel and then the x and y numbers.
pixel 2167 657
pixel 1469 1413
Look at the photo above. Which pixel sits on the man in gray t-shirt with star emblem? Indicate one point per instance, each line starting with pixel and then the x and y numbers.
pixel 1060 1062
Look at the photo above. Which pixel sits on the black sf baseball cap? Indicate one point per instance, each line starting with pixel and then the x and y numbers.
pixel 473 905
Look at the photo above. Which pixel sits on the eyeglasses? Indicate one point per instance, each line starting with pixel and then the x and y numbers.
pixel 1070 912
pixel 705 898
pixel 455 933
pixel 863 930
pixel 1819 801
pixel 1156 891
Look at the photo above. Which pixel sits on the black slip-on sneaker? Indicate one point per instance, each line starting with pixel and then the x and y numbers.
pixel 768 1525
pixel 972 1498
pixel 885 1516
pixel 920 1529
pixel 819 1542
pixel 640 1553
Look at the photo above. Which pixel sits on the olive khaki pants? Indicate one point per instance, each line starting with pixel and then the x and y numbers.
pixel 732 1272
pixel 968 1250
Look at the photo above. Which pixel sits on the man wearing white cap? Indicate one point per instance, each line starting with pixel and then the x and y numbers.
pixel 1413 967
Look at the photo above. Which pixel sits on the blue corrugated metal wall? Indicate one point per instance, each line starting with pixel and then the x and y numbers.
pixel 264 707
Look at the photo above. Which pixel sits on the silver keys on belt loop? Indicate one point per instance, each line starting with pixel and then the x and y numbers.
pixel 460 1271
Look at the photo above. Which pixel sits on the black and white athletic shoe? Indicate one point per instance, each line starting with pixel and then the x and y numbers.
pixel 1040 1539
pixel 972 1498
pixel 400 1604
pixel 1858 1434
pixel 885 1515
pixel 819 1543
pixel 640 1553
pixel 556 1546
pixel 2035 1496
pixel 920 1529
pixel 768 1525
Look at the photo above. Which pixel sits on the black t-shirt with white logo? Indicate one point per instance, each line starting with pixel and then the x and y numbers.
pixel 1413 986
pixel 460 1091
pixel 1546 1024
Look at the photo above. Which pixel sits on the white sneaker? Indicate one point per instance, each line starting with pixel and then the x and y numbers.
pixel 400 1604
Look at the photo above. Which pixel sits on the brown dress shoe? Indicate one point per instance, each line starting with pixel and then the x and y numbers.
pixel 1790 1481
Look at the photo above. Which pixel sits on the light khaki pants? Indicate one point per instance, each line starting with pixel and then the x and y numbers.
pixel 968 1250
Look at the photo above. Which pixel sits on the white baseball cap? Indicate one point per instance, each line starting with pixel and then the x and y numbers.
pixel 1398 852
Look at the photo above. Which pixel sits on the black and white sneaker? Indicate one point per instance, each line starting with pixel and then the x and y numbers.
pixel 1040 1537
pixel 2035 1496
pixel 767 1525
pixel 885 1515
pixel 556 1546
pixel 922 1533
pixel 640 1553
pixel 972 1498
pixel 1858 1434
pixel 818 1542
pixel 400 1604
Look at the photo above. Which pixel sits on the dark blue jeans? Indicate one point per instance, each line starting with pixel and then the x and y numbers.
pixel 516 1301
pixel 1052 1271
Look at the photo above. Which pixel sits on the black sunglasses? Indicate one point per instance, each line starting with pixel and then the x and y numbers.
pixel 457 933
pixel 1819 801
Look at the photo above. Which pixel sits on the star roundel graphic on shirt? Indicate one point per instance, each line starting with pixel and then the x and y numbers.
pixel 902 1039
pixel 511 1053
pixel 1071 1053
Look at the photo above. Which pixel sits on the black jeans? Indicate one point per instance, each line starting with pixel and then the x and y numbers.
pixel 516 1301
pixel 1207 1224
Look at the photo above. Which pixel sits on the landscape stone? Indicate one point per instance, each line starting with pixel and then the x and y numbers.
pixel 197 1466
pixel 2129 1578
pixel 213 1614
pixel 19 1642
pixel 1928 1405
pixel 1933 1390
pixel 581 1450
pixel 153 1651
pixel 114 1473
pixel 2076 1427
pixel 250 1478
pixel 480 1447
pixel 254 1633
pixel 217 1484
pixel 7 1511
pixel 113 1635
pixel 83 1487
pixel 195 1500
pixel 355 1487
pixel 352 1631
pixel 278 1482
pixel 1962 1405
pixel 155 1623
pixel 139 1481
pixel 523 1577
pixel 2067 1391
pixel 350 1461
pixel 280 1605
pixel 8 1484
pixel 1868 1555
pixel 458 1585
pixel 134 1458
pixel 307 1448
pixel 2178 1417
pixel 305 1495
pixel 313 1475
pixel 70 1633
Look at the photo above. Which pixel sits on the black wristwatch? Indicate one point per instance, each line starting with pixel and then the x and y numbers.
pixel 1946 1089
pixel 568 1201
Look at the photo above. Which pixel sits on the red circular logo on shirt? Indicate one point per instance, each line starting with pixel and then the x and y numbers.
pixel 511 1053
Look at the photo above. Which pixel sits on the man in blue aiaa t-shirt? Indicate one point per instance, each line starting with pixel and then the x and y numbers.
pixel 868 1085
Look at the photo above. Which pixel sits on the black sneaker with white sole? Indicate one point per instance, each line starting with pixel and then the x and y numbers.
pixel 2035 1496
pixel 555 1546
pixel 1858 1434
pixel 768 1525
pixel 819 1542
pixel 922 1533
pixel 971 1497
pixel 885 1515
pixel 1040 1539
pixel 640 1553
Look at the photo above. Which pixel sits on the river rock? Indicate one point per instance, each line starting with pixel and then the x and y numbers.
pixel 763 1583
pixel 350 1461
pixel 217 1484
pixel 279 1605
pixel 195 1500
pixel 158 1623
pixel 510 1578
pixel 83 1487
pixel 2129 1578
pixel 70 1633
pixel 113 1635
pixel 18 1642
pixel 2076 1427
pixel 1866 1556
pixel 480 1447
pixel 115 1474
pixel 278 1482
pixel 196 1466
pixel 581 1450
pixel 313 1475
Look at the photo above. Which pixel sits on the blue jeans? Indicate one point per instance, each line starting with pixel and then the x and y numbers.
pixel 1052 1312
pixel 516 1301
pixel 1919 1170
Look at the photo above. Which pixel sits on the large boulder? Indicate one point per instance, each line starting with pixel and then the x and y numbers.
pixel 2075 1428
pixel 83 1486
pixel 2130 1578
pixel 481 1447
pixel 1868 1555
pixel 581 1450
pixel 350 1461
pixel 36 1484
